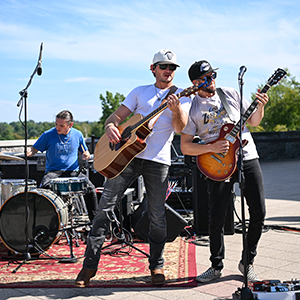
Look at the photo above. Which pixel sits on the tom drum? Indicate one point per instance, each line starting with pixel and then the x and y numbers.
pixel 68 185
pixel 9 187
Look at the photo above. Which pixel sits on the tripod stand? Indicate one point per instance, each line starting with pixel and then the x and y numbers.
pixel 120 235
pixel 24 95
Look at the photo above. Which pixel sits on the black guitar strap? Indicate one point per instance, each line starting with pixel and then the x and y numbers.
pixel 172 90
pixel 225 104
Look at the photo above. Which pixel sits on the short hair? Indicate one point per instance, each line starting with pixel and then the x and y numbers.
pixel 65 115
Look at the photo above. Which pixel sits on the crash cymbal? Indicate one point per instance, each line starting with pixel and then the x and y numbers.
pixel 9 157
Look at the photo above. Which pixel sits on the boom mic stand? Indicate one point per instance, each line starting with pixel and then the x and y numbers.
pixel 23 98
pixel 245 291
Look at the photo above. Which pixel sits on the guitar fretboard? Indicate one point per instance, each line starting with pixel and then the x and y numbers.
pixel 235 130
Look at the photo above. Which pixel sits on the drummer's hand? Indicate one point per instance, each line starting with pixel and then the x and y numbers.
pixel 31 151
pixel 86 155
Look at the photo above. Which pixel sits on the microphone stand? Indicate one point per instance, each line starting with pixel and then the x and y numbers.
pixel 246 293
pixel 23 100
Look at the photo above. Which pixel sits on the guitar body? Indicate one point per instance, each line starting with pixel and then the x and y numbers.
pixel 109 159
pixel 218 166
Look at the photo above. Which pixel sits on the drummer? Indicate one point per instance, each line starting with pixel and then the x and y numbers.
pixel 62 144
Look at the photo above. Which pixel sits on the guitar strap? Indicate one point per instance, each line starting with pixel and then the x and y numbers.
pixel 226 105
pixel 172 90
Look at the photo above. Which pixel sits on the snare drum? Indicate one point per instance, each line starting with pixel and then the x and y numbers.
pixel 68 185
pixel 47 215
pixel 10 187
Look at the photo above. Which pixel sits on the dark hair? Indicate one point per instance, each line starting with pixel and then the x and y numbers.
pixel 65 115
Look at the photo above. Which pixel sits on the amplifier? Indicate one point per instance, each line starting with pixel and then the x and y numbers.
pixel 181 200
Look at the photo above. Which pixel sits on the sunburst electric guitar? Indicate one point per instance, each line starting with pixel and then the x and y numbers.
pixel 221 166
pixel 111 159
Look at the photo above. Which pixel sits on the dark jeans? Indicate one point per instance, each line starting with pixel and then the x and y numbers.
pixel 219 195
pixel 155 177
pixel 90 197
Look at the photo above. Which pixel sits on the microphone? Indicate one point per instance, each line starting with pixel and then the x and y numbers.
pixel 243 70
pixel 39 68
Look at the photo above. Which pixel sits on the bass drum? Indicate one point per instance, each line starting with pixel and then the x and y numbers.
pixel 47 215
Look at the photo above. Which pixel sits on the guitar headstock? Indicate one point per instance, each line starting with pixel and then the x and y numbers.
pixel 276 77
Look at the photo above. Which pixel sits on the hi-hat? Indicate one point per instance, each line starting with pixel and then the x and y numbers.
pixel 9 157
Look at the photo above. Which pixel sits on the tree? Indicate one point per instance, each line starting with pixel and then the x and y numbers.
pixel 282 112
pixel 109 104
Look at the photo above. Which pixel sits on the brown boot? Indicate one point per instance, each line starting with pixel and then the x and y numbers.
pixel 158 277
pixel 84 276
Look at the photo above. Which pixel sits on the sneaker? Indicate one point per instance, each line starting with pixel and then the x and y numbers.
pixel 251 275
pixel 209 275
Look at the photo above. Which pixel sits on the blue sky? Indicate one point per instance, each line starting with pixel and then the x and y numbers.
pixel 94 46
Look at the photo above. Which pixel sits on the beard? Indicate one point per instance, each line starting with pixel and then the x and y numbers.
pixel 209 90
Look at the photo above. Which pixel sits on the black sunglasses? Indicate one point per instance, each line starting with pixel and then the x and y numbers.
pixel 164 67
pixel 210 77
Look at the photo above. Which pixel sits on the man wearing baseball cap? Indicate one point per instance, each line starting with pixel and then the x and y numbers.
pixel 152 163
pixel 206 117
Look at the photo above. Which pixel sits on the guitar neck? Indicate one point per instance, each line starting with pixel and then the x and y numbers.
pixel 235 130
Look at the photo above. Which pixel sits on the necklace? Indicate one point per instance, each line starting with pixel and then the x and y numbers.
pixel 157 94
pixel 66 140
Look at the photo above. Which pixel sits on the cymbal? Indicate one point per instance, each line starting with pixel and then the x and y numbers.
pixel 9 157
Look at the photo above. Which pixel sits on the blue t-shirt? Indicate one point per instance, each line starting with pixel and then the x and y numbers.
pixel 61 150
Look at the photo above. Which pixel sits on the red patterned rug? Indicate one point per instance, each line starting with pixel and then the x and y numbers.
pixel 126 268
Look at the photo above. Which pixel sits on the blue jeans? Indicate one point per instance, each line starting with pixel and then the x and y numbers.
pixel 155 177
pixel 219 195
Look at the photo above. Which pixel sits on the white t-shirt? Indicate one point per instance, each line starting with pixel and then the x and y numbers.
pixel 207 115
pixel 144 100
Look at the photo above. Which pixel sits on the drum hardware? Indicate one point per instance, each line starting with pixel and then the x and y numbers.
pixel 71 190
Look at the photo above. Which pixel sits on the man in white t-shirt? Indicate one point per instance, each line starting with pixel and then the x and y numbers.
pixel 152 163
pixel 206 116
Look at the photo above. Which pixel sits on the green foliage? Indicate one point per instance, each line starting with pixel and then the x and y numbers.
pixel 282 112
pixel 15 130
pixel 109 104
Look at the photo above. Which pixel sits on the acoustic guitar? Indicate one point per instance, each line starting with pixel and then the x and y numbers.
pixel 111 159
pixel 221 166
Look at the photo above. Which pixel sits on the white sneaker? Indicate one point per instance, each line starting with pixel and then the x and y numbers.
pixel 209 274
pixel 251 275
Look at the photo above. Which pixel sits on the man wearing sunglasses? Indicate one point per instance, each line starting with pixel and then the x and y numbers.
pixel 206 116
pixel 152 163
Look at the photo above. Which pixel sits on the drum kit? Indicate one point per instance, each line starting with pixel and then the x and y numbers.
pixel 53 213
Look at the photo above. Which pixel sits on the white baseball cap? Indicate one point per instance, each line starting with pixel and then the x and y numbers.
pixel 165 56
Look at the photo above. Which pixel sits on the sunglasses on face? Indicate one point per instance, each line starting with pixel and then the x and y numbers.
pixel 164 67
pixel 209 77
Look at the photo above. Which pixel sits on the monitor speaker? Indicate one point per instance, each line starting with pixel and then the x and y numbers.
pixel 140 222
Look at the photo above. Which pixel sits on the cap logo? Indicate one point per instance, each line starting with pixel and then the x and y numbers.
pixel 204 67
pixel 169 55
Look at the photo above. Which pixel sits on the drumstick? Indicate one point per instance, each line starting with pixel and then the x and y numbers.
pixel 82 148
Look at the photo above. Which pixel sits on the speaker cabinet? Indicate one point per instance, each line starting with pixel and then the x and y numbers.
pixel 140 222
pixel 200 205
